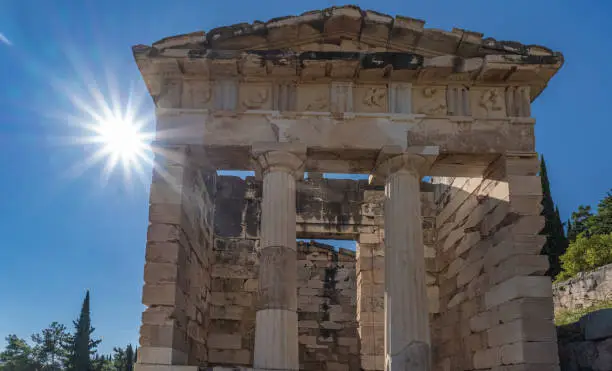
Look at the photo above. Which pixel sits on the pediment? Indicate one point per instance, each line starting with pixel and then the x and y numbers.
pixel 347 29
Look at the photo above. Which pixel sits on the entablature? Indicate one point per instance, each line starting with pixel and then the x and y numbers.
pixel 278 70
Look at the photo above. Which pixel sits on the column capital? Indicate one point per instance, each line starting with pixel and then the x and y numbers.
pixel 390 160
pixel 286 157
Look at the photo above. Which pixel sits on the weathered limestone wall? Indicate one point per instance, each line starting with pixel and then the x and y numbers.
pixel 492 292
pixel 177 270
pixel 584 290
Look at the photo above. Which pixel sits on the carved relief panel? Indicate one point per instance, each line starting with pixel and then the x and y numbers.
pixel 458 100
pixel 400 98
pixel 225 93
pixel 285 96
pixel 255 96
pixel 430 100
pixel 518 101
pixel 313 97
pixel 488 102
pixel 196 94
pixel 370 98
pixel 341 97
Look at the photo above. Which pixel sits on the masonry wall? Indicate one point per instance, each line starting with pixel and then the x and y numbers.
pixel 584 290
pixel 493 295
pixel 177 269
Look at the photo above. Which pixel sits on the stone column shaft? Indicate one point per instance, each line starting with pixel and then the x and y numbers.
pixel 407 333
pixel 276 331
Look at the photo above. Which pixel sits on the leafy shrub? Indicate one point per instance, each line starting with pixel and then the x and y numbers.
pixel 586 254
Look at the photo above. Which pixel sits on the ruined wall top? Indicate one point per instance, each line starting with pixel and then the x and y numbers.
pixel 348 42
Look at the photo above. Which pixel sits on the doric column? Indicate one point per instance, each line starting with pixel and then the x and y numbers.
pixel 407 334
pixel 276 328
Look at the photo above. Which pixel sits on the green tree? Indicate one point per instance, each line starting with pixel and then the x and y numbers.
pixel 124 359
pixel 556 242
pixel 130 358
pixel 580 222
pixel 49 347
pixel 81 347
pixel 585 254
pixel 17 356
pixel 118 358
pixel 102 363
pixel 601 223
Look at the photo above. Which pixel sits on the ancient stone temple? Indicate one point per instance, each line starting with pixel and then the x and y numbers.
pixel 446 274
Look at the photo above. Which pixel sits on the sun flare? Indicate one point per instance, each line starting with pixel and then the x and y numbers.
pixel 121 139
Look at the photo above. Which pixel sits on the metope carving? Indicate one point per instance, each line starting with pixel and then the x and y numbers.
pixel 256 99
pixel 196 94
pixel 491 101
pixel 434 101
pixel 375 97
pixel 318 104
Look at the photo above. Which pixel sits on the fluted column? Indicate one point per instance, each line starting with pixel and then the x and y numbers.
pixel 407 333
pixel 276 331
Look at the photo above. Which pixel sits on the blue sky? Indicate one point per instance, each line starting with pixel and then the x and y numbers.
pixel 63 234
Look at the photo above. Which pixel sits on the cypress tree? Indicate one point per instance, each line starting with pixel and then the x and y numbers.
pixel 556 242
pixel 82 346
pixel 129 358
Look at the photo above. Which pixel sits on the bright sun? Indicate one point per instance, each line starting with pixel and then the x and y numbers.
pixel 122 140
pixel 111 127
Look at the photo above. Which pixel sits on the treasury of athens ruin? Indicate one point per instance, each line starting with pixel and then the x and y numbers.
pixel 447 272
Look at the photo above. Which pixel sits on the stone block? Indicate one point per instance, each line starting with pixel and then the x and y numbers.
pixel 433 297
pixel 163 336
pixel 372 339
pixel 470 272
pixel 522 330
pixel 372 362
pixel 165 252
pixel 469 240
pixel 163 233
pixel 230 357
pixel 370 238
pixel 161 273
pixel 481 322
pixel 530 352
pixel 524 185
pixel 224 341
pixel 487 358
pixel 511 245
pixel 597 325
pixel 161 356
pixel 519 265
pixel 516 287
pixel 541 308
pixel 149 367
pixel 163 294
pixel 527 367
